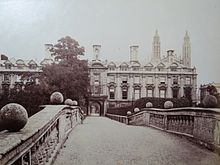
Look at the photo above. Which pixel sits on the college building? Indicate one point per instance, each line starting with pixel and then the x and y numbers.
pixel 118 84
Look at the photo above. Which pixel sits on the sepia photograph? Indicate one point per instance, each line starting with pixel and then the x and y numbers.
pixel 109 82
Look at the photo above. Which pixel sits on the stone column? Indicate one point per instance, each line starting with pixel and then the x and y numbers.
pixel 156 89
pixel 169 89
pixel 181 86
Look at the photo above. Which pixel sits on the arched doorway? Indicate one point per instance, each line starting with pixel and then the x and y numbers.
pixel 95 109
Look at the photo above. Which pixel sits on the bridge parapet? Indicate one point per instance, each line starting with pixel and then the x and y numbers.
pixel 202 125
pixel 42 137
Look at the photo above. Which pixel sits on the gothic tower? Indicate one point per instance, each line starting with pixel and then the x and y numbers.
pixel 186 52
pixel 156 48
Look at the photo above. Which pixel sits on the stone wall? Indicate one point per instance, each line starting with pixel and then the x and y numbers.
pixel 42 137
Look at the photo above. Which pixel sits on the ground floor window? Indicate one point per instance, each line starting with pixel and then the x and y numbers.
pixel 162 93
pixel 149 93
pixel 137 94
pixel 124 93
pixel 112 93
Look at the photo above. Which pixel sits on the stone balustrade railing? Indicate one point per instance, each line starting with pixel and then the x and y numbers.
pixel 198 124
pixel 122 119
pixel 41 139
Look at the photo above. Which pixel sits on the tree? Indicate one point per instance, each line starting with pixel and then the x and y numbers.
pixel 71 75
pixel 67 49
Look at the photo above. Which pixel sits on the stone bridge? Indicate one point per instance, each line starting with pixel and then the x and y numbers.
pixel 55 135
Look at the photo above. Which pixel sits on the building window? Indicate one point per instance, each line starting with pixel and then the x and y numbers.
pixel 124 93
pixel 96 79
pixel 7 77
pixel 112 92
pixel 136 79
pixel 135 68
pixel 123 68
pixel 124 79
pixel 175 93
pixel 149 93
pixel 7 66
pixel 188 80
pixel 149 80
pixel 33 66
pixel 162 93
pixel 162 80
pixel 175 80
pixel 137 94
pixel 111 78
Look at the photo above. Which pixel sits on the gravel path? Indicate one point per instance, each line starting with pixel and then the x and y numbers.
pixel 101 141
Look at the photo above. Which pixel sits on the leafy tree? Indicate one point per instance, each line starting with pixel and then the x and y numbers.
pixel 70 75
pixel 67 49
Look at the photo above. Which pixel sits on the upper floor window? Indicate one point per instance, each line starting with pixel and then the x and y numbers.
pixel 124 93
pixel 137 94
pixel 7 66
pixel 136 79
pixel 162 93
pixel 149 93
pixel 162 80
pixel 149 80
pixel 135 68
pixel 124 79
pixel 188 80
pixel 111 78
pixel 175 80
pixel 32 66
pixel 96 79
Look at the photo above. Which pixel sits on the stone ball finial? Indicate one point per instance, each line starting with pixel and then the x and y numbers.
pixel 136 109
pixel 168 104
pixel 56 98
pixel 129 113
pixel 210 101
pixel 68 102
pixel 13 116
pixel 149 105
pixel 75 103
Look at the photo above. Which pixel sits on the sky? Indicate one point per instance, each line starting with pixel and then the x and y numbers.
pixel 26 25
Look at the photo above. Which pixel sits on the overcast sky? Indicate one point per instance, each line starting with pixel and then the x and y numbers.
pixel 26 25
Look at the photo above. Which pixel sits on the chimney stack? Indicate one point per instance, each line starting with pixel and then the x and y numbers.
pixel 133 53
pixel 96 52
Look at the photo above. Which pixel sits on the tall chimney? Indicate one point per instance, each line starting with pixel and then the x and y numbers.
pixel 96 52
pixel 133 53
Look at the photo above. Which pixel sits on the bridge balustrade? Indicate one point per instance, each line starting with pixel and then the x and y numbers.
pixel 201 125
pixel 41 139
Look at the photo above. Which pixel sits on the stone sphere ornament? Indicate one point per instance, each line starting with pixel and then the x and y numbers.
pixel 168 104
pixel 129 113
pixel 75 103
pixel 14 117
pixel 136 109
pixel 56 98
pixel 68 102
pixel 149 105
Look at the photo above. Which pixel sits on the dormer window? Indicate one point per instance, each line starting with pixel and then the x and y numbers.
pixel 32 66
pixel 7 66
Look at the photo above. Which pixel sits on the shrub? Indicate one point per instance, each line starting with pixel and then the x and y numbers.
pixel 56 98
pixel 210 101
pixel 68 102
pixel 149 105
pixel 14 117
pixel 159 102
pixel 168 104
pixel 120 110
pixel 129 113
pixel 136 109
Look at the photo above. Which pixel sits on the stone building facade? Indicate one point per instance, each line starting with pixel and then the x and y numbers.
pixel 124 82
pixel 11 70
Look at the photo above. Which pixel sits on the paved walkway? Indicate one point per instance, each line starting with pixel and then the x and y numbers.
pixel 101 141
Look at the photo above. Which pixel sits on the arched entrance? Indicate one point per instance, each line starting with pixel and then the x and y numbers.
pixel 97 106
pixel 95 109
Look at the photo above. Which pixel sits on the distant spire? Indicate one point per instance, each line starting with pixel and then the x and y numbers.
pixel 156 47
pixel 186 51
